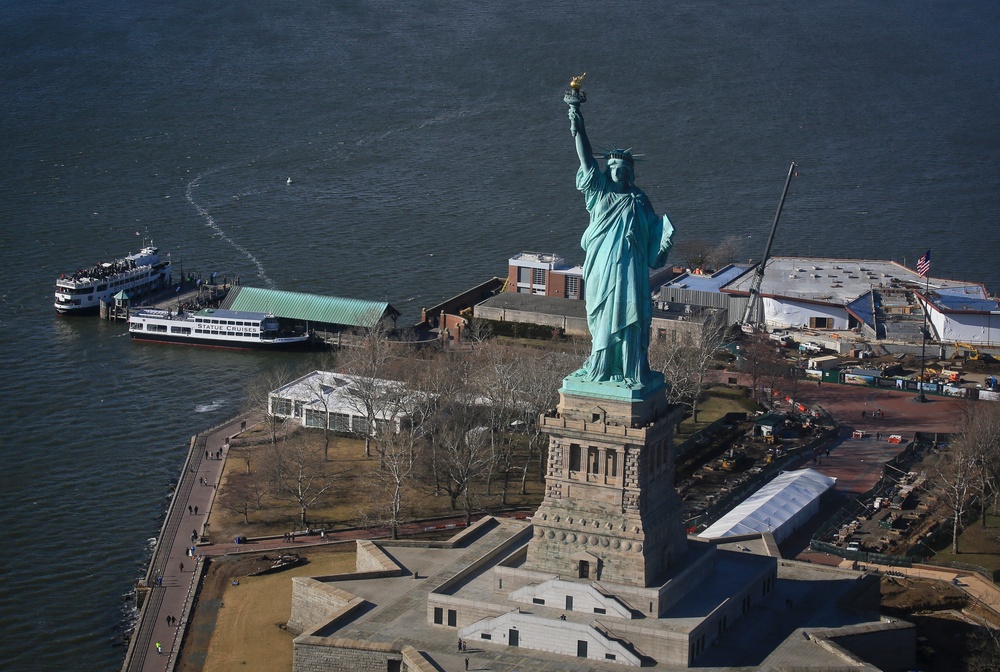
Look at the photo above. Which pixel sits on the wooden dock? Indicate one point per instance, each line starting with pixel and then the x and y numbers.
pixel 189 297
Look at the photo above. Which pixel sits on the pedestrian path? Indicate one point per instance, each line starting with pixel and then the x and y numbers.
pixel 175 569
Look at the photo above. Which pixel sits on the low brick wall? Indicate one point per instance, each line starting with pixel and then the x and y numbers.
pixel 321 654
pixel 370 558
pixel 315 603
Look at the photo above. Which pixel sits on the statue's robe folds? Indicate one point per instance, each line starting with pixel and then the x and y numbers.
pixel 624 240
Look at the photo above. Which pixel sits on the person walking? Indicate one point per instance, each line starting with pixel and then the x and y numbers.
pixel 466 662
pixel 159 650
pixel 182 566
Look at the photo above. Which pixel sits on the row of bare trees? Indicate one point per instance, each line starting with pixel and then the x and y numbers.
pixel 290 471
pixel 470 430
pixel 967 471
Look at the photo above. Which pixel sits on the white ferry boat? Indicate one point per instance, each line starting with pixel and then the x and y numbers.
pixel 136 274
pixel 215 328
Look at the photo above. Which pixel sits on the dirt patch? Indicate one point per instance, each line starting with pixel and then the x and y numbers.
pixel 902 596
pixel 947 641
pixel 242 626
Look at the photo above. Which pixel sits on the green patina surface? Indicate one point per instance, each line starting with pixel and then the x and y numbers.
pixel 625 238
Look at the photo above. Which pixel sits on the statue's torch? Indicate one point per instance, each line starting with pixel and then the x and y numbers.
pixel 574 95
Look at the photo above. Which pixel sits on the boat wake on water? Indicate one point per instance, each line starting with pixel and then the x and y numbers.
pixel 208 408
pixel 210 223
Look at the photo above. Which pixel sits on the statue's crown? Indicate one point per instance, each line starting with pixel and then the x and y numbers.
pixel 622 155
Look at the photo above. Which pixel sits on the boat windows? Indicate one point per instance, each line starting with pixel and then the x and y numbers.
pixel 136 326
pixel 180 330
pixel 160 328
pixel 101 288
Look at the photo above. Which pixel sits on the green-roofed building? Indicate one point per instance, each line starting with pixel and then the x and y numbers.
pixel 314 312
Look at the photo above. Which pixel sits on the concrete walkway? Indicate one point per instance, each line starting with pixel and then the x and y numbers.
pixel 173 574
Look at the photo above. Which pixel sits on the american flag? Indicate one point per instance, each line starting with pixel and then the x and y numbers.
pixel 924 264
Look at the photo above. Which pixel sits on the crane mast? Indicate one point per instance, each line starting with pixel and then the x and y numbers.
pixel 752 317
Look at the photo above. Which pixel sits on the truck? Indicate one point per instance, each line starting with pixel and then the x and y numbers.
pixel 781 338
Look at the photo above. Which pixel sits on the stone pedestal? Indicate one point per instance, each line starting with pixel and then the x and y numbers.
pixel 610 512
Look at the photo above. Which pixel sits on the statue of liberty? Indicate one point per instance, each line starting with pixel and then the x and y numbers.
pixel 624 240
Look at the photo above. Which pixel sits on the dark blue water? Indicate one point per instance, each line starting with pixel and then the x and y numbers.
pixel 425 146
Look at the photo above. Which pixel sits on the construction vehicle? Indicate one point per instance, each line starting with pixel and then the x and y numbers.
pixel 735 460
pixel 753 317
pixel 972 354
pixel 930 373
pixel 951 375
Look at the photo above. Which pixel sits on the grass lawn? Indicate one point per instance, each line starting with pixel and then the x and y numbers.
pixel 719 401
pixel 350 470
pixel 977 545
pixel 349 503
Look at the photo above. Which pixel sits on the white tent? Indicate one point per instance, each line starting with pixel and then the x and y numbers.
pixel 779 507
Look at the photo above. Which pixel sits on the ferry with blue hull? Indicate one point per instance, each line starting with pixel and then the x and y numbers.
pixel 137 274
pixel 214 328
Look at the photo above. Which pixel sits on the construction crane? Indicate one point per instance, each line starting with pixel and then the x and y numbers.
pixel 753 316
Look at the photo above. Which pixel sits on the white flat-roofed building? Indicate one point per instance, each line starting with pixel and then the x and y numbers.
pixel 963 314
pixel 335 401
pixel 820 293
pixel 884 300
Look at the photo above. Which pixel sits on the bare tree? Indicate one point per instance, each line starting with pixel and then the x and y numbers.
pixel 956 474
pixel 243 493
pixel 388 484
pixel 256 399
pixel 686 361
pixel 979 435
pixel 693 253
pixel 321 390
pixel 370 363
pixel 539 380
pixel 477 332
pixel 443 384
pixel 299 474
pixel 464 453
pixel 725 252
pixel 495 380
pixel 763 361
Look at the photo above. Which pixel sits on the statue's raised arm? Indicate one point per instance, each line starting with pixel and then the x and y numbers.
pixel 574 98
pixel 625 238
